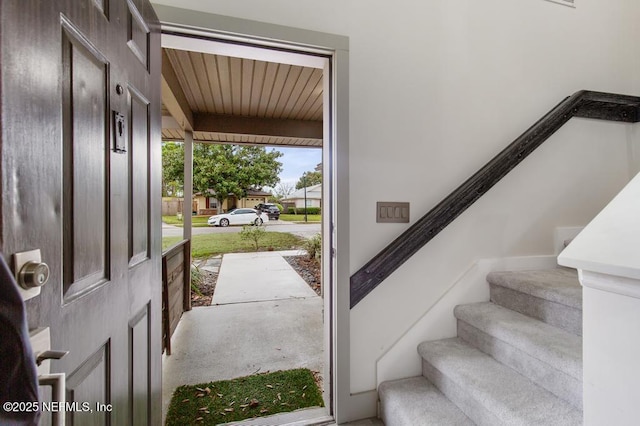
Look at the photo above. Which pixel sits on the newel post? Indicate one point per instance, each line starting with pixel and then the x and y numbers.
pixel 607 257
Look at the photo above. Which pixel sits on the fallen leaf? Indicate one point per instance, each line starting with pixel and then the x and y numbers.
pixel 232 402
pixel 305 386
pixel 185 400
pixel 207 391
pixel 199 419
pixel 270 386
pixel 200 389
pixel 279 397
pixel 229 410
pixel 203 409
pixel 244 405
pixel 220 395
pixel 254 403
pixel 303 395
pixel 200 395
pixel 264 410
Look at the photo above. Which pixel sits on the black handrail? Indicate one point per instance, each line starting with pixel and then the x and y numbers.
pixel 586 104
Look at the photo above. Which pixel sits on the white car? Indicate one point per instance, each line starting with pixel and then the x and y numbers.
pixel 239 217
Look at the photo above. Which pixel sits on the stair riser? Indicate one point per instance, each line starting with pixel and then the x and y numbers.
pixel 556 314
pixel 555 381
pixel 416 402
pixel 467 404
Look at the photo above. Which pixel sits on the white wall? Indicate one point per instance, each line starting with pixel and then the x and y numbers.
pixel 436 89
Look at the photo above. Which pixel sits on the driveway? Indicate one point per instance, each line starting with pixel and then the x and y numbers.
pixel 305 230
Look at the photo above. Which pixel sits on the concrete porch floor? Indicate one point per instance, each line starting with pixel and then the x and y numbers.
pixel 282 330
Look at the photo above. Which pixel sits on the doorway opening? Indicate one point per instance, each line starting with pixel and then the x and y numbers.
pixel 228 93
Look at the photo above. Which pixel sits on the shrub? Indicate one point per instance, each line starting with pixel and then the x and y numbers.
pixel 253 233
pixel 310 210
pixel 197 277
pixel 313 247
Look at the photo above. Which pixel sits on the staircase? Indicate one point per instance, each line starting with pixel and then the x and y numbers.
pixel 517 360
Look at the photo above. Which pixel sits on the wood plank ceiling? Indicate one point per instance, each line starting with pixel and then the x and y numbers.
pixel 234 100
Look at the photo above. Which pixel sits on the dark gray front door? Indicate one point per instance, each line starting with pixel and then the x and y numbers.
pixel 75 74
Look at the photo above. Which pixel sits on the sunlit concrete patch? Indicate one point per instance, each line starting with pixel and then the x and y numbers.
pixel 259 276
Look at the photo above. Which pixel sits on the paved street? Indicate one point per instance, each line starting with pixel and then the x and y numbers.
pixel 301 229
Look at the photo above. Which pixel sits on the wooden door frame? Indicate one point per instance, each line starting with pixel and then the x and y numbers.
pixel 343 406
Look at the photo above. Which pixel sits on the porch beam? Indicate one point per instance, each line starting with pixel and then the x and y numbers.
pixel 173 96
pixel 219 123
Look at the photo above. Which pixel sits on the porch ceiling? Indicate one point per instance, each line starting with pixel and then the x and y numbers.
pixel 225 99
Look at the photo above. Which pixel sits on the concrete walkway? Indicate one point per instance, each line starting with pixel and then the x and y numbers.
pixel 260 276
pixel 281 328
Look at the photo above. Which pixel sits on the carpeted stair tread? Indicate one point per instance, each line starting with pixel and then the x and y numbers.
pixel 558 348
pixel 416 402
pixel 489 392
pixel 558 285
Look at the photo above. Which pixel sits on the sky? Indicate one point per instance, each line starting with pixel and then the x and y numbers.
pixel 296 161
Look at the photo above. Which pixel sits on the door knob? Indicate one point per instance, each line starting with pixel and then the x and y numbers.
pixel 33 274
pixel 30 272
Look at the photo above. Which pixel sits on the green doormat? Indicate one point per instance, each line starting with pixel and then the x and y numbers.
pixel 244 398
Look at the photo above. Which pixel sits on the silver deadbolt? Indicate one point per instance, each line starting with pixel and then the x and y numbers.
pixel 30 272
pixel 33 274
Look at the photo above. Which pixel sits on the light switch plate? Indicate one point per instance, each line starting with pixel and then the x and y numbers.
pixel 392 212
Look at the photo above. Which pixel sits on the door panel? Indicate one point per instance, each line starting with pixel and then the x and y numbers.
pixel 140 355
pixel 85 164
pixel 68 66
pixel 138 33
pixel 89 384
pixel 138 175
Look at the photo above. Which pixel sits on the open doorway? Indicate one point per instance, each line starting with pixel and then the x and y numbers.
pixel 213 109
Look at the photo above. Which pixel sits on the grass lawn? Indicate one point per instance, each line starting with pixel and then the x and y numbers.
pixel 196 221
pixel 213 244
pixel 244 398
pixel 299 218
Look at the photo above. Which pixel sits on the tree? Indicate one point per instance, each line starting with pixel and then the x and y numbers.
pixel 172 169
pixel 283 190
pixel 309 178
pixel 232 170
pixel 223 169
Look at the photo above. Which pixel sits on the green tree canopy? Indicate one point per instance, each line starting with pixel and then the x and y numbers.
pixel 227 169
pixel 308 179
pixel 172 169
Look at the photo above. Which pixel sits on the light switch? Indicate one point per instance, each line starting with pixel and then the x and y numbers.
pixel 392 212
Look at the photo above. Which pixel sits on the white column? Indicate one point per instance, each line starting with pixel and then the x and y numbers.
pixel 607 257
pixel 188 184
pixel 611 349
